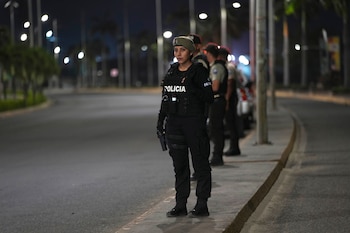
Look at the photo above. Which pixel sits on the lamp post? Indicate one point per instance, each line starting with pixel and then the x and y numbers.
pixel 223 14
pixel 160 41
pixel 12 4
pixel 127 46
pixel 31 30
pixel 192 17
pixel 38 12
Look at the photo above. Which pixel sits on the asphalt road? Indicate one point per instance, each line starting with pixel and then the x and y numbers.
pixel 89 163
pixel 313 193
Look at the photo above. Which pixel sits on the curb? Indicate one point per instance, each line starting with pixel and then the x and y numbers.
pixel 325 97
pixel 247 210
pixel 10 113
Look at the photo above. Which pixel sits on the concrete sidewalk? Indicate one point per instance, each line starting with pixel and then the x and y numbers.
pixel 238 186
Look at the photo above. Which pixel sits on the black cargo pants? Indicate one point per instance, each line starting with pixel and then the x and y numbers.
pixel 216 127
pixel 186 133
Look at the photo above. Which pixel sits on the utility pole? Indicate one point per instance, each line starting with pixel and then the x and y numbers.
pixel 192 17
pixel 286 78
pixel 127 45
pixel 31 26
pixel 160 40
pixel 304 47
pixel 12 4
pixel 262 137
pixel 223 22
pixel 272 54
pixel 252 39
pixel 38 14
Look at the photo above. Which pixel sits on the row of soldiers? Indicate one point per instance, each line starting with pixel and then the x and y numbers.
pixel 225 81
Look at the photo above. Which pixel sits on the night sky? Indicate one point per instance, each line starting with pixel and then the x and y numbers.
pixel 69 13
pixel 142 17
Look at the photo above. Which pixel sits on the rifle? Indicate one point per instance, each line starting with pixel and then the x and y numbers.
pixel 162 140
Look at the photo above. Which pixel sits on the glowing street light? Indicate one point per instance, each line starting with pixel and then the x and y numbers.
pixel 24 37
pixel 144 48
pixel 81 55
pixel 167 34
pixel 203 16
pixel 26 24
pixel 57 50
pixel 236 5
pixel 49 33
pixel 44 18
pixel 66 60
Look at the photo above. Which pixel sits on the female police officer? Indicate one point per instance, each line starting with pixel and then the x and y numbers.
pixel 186 92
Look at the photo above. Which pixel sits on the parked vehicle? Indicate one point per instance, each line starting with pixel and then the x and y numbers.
pixel 245 106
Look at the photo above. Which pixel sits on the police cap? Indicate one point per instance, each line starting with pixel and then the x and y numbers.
pixel 196 38
pixel 212 48
pixel 224 51
pixel 184 41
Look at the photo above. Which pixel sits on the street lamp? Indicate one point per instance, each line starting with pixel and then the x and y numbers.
pixel 223 15
pixel 160 41
pixel 203 16
pixel 44 18
pixel 66 60
pixel 26 24
pixel 192 19
pixel 12 4
pixel 236 5
pixel 38 12
pixel 24 37
pixel 31 24
pixel 167 34
pixel 49 34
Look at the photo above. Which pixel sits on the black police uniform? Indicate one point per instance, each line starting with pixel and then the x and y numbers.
pixel 216 118
pixel 184 99
pixel 231 115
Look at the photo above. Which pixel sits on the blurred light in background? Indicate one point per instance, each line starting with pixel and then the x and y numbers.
pixel 243 59
pixel 57 50
pixel 203 16
pixel 144 48
pixel 236 5
pixel 66 60
pixel 81 55
pixel 167 34
pixel 24 37
pixel 26 24
pixel 44 18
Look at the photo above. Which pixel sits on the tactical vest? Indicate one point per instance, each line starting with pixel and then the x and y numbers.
pixel 223 85
pixel 201 58
pixel 177 96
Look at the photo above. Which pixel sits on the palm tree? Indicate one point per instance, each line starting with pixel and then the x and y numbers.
pixel 44 65
pixel 4 57
pixel 304 9
pixel 143 57
pixel 104 27
pixel 342 8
